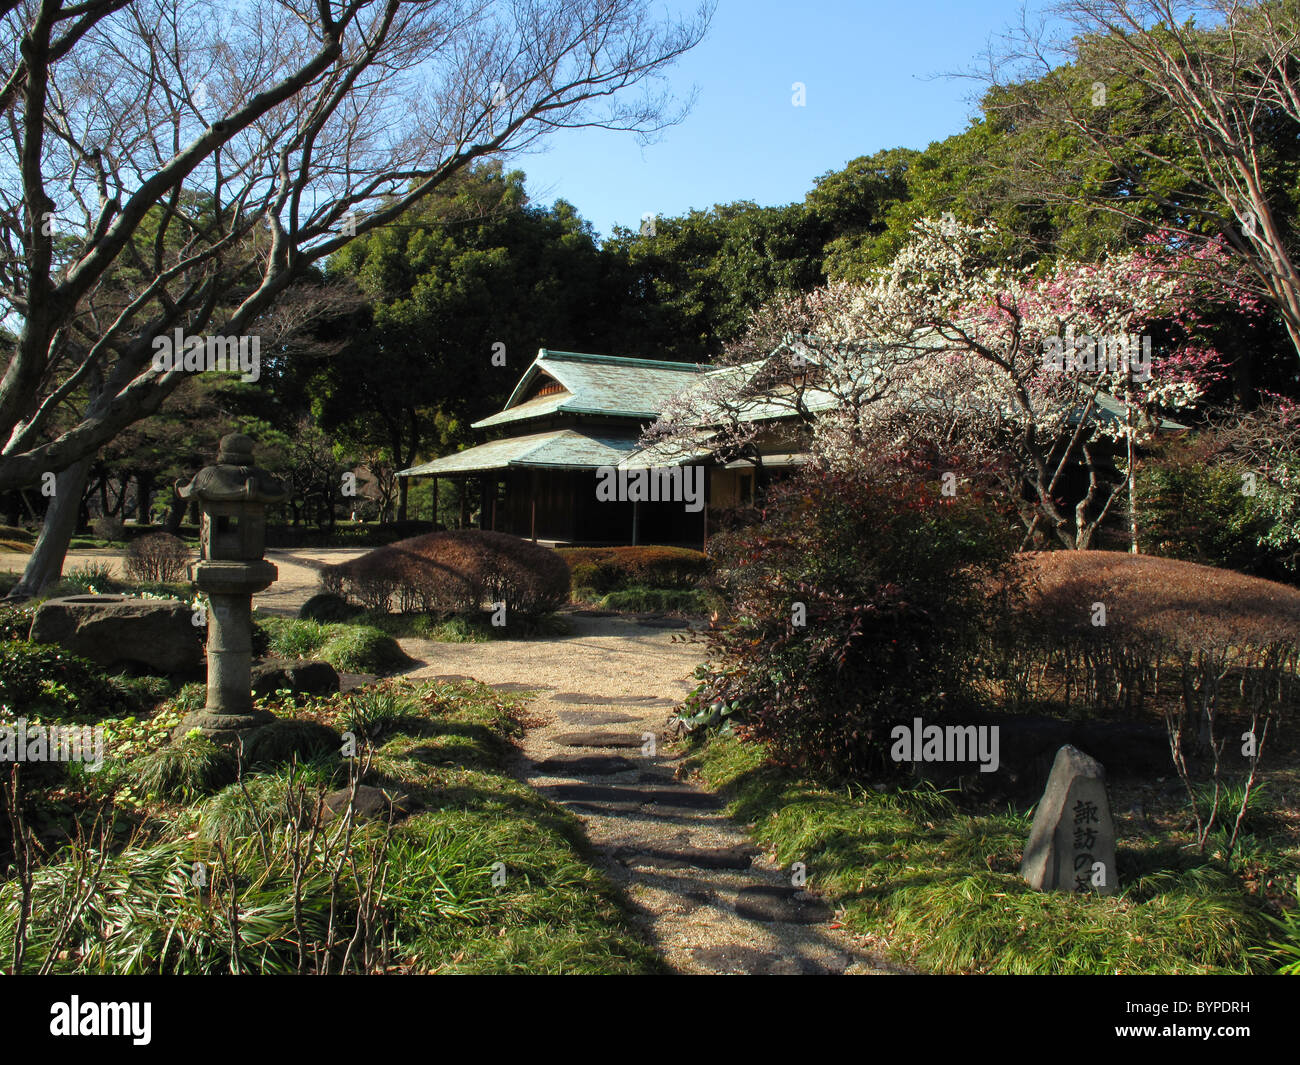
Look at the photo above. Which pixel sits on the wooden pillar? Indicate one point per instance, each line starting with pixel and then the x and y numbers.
pixel 435 504
pixel 704 543
pixel 532 496
pixel 636 522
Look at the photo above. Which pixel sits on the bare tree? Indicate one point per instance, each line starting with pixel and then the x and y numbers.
pixel 1177 103
pixel 205 156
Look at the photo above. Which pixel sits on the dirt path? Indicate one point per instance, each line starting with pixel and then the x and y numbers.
pixel 297 581
pixel 705 897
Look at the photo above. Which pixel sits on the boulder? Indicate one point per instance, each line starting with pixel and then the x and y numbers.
pixel 370 804
pixel 302 676
pixel 117 630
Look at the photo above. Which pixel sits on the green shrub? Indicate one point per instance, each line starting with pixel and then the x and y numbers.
pixel 98 575
pixel 655 600
pixel 183 770
pixel 191 697
pixel 380 712
pixel 585 576
pixel 608 569
pixel 1196 512
pixel 16 621
pixel 361 649
pixel 238 811
pixel 291 638
pixel 1288 945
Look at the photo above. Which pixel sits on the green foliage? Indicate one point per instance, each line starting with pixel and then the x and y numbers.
pixel 610 569
pixel 151 912
pixel 191 697
pixel 1288 945
pixel 38 679
pixel 98 575
pixel 286 638
pixel 1197 512
pixel 16 621
pixel 377 712
pixel 289 738
pixel 362 649
pixel 655 600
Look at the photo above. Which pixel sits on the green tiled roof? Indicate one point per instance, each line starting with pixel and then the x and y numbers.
pixel 596 384
pixel 560 449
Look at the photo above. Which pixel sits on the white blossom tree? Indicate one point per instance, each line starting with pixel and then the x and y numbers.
pixel 943 349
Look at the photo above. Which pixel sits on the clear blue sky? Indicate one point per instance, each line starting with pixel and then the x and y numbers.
pixel 874 75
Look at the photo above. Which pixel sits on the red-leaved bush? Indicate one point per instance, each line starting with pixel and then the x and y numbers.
pixel 458 570
pixel 853 606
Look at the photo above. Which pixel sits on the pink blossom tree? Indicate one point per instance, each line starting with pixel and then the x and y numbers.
pixel 1035 374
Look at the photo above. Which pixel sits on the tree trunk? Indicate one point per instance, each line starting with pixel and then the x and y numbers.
pixel 175 512
pixel 46 564
pixel 401 498
pixel 144 495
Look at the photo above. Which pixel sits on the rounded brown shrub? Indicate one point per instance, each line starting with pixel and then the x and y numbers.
pixel 158 557
pixel 458 570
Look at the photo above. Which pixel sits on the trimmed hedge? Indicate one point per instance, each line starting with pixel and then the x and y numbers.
pixel 456 571
pixel 610 569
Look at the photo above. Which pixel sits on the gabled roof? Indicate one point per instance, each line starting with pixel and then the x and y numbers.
pixel 595 384
pixel 558 449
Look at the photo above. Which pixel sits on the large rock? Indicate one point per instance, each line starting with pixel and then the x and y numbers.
pixel 300 675
pixel 369 804
pixel 116 630
pixel 1072 843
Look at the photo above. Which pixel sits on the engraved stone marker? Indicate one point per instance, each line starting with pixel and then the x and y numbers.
pixel 1072 843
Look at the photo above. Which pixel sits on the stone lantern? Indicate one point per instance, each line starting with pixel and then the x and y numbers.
pixel 232 496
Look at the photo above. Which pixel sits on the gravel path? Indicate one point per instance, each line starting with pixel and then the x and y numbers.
pixel 595 742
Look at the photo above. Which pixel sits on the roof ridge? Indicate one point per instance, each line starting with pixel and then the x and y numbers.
pixel 579 356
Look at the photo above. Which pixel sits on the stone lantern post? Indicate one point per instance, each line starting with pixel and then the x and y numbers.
pixel 232 496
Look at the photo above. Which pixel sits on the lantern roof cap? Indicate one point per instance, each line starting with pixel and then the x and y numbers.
pixel 234 478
